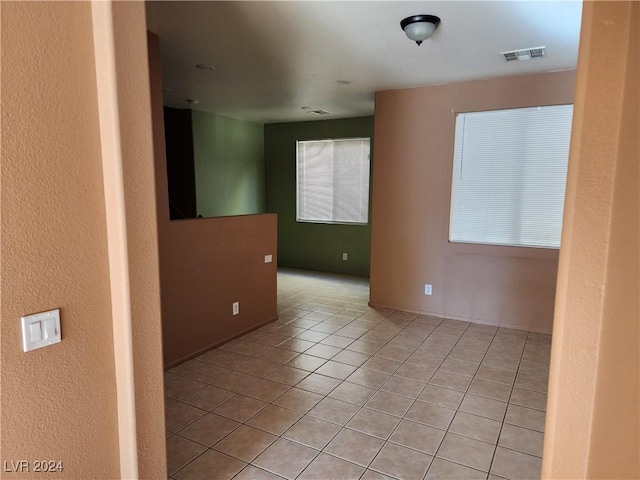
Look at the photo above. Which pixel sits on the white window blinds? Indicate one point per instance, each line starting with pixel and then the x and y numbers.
pixel 333 181
pixel 509 176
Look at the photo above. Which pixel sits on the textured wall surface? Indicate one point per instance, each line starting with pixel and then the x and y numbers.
pixel 208 264
pixel 58 402
pixel 414 141
pixel 93 401
pixel 313 245
pixel 593 424
pixel 229 165
pixel 134 106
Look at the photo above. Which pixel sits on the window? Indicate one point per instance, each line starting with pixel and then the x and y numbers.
pixel 333 181
pixel 509 176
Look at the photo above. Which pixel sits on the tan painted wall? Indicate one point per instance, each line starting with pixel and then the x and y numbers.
pixel 593 419
pixel 207 264
pixel 615 448
pixel 414 139
pixel 58 402
pixel 138 169
pixel 79 232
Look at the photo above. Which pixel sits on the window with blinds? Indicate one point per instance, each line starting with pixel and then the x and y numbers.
pixel 333 181
pixel 509 176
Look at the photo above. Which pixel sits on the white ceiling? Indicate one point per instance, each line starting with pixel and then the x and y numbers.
pixel 272 58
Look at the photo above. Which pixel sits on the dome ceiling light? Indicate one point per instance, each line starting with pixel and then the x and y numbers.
pixel 420 27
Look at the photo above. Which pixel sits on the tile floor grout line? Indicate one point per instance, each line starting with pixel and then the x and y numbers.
pixel 435 454
pixel 376 323
pixel 388 439
pixel 363 406
pixel 325 396
pixel 508 402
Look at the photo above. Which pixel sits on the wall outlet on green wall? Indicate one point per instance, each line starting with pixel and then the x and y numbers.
pixel 344 256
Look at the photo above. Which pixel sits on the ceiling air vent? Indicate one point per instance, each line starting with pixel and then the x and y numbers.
pixel 319 112
pixel 525 54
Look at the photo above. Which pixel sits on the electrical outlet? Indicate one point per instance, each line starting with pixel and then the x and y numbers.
pixel 268 258
pixel 236 308
pixel 428 289
pixel 344 256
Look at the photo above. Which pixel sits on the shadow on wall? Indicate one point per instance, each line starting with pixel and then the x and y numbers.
pixel 215 165
pixel 229 165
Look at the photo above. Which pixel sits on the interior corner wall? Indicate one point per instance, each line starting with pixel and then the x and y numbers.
pixel 414 141
pixel 229 165
pixel 59 402
pixel 138 168
pixel 313 245
pixel 208 264
pixel 615 445
pixel 593 417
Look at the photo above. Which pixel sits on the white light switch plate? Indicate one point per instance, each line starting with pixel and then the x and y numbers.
pixel 41 330
pixel 268 258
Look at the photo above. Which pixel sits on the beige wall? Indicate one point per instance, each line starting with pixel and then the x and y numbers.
pixel 414 139
pixel 593 424
pixel 79 232
pixel 58 402
pixel 207 264
pixel 142 261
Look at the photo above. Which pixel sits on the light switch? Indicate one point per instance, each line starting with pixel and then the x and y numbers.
pixel 49 328
pixel 40 330
pixel 35 329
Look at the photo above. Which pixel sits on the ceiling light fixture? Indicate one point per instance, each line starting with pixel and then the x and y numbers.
pixel 420 27
pixel 192 101
pixel 343 82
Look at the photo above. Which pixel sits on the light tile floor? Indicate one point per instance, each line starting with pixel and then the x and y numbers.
pixel 335 389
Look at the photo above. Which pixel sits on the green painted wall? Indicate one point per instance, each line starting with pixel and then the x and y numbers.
pixel 229 165
pixel 311 245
